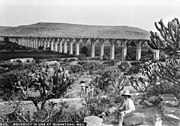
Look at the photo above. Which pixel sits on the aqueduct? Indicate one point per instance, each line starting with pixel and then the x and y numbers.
pixel 66 44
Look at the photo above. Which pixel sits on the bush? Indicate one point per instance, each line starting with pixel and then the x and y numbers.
pixel 105 57
pixel 84 66
pixel 82 57
pixel 163 87
pixel 124 66
pixel 41 47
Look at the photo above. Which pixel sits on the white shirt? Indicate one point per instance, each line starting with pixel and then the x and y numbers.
pixel 128 105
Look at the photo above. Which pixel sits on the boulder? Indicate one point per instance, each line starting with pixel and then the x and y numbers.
pixel 168 100
pixel 146 123
pixel 149 104
pixel 72 59
pixel 137 102
pixel 106 124
pixel 135 119
pixel 155 100
pixel 152 98
pixel 74 63
pixel 171 113
pixel 93 121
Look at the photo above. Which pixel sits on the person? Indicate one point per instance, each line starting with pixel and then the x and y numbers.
pixel 127 108
pixel 83 87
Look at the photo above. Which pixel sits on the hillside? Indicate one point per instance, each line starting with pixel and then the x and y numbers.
pixel 76 31
pixel 2 28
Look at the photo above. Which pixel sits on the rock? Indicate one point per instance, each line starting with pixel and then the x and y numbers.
pixel 51 62
pixel 74 63
pixel 176 118
pixel 146 124
pixel 171 120
pixel 152 99
pixel 168 100
pixel 72 59
pixel 93 121
pixel 167 109
pixel 136 119
pixel 149 104
pixel 138 101
pixel 171 114
pixel 106 124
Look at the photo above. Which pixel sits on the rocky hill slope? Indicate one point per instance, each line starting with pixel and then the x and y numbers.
pixel 76 31
pixel 2 28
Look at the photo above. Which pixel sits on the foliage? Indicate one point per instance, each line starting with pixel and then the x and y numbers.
pixel 97 105
pixel 168 42
pixel 94 106
pixel 161 77
pixel 84 66
pixel 84 50
pixel 41 47
pixel 107 78
pixel 82 57
pixel 105 57
pixel 124 66
pixel 7 85
pixel 38 85
pixel 169 38
pixel 77 115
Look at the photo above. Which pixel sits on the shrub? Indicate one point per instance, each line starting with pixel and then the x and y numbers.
pixel 124 66
pixel 109 80
pixel 82 57
pixel 41 47
pixel 105 57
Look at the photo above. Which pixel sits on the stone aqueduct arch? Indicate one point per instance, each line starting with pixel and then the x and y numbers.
pixel 59 44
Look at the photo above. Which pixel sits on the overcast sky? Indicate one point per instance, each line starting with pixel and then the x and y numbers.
pixel 136 13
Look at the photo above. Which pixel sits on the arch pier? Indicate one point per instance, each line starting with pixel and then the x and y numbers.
pixel 66 45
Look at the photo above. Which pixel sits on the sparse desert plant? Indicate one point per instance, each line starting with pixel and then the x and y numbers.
pixel 110 77
pixel 82 57
pixel 38 85
pixel 105 57
pixel 124 66
pixel 84 66
pixel 168 42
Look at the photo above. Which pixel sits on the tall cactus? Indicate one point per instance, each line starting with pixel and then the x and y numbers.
pixel 162 77
pixel 169 43
pixel 169 39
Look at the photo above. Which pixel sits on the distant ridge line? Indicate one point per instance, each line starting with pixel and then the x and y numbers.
pixel 43 29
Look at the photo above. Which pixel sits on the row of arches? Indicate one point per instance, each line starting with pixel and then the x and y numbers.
pixel 127 49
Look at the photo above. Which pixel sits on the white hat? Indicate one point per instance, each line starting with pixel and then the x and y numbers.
pixel 126 93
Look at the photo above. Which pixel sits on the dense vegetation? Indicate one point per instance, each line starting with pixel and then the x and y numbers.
pixel 40 82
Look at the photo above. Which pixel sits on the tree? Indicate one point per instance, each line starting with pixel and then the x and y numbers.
pixel 37 84
pixel 110 77
pixel 169 39
pixel 162 76
pixel 45 85
pixel 169 43
pixel 84 50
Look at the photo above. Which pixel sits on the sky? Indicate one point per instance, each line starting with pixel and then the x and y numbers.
pixel 135 13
